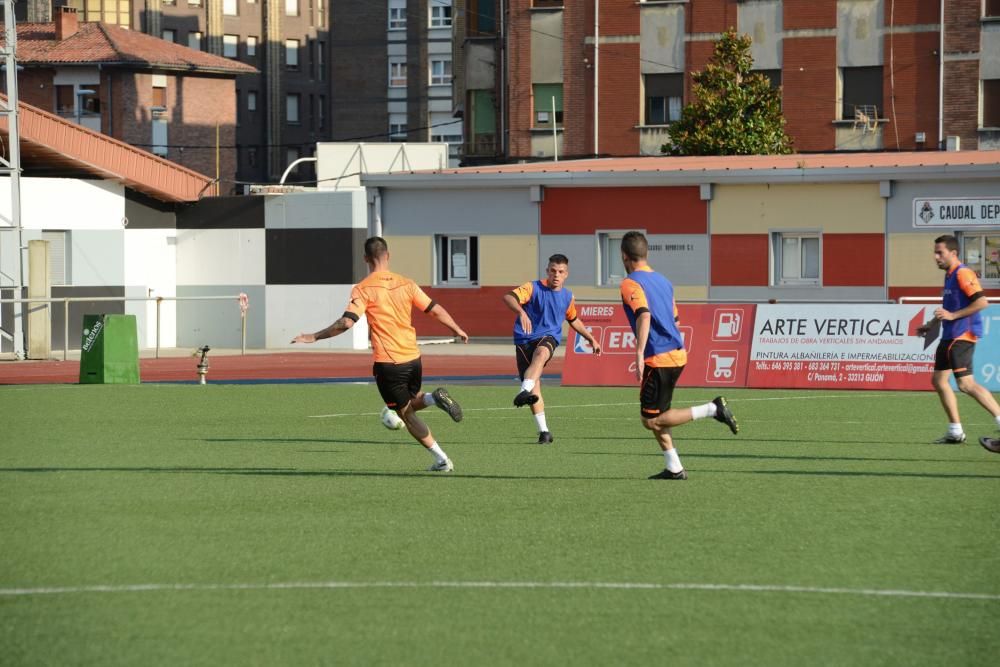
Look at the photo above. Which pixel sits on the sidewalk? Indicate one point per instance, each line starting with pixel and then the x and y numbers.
pixel 486 361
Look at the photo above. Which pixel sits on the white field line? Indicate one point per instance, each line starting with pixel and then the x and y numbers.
pixel 599 405
pixel 518 585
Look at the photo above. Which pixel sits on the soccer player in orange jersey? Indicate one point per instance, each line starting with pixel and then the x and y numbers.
pixel 386 298
pixel 961 326
pixel 648 298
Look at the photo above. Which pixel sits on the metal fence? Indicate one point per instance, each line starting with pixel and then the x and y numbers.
pixel 66 301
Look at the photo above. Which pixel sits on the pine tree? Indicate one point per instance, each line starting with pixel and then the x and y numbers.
pixel 735 112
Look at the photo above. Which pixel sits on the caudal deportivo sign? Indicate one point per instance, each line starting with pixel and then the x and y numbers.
pixel 956 212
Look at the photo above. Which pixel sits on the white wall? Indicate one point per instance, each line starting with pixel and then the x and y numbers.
pixel 151 271
pixel 220 257
pixel 293 309
pixel 65 203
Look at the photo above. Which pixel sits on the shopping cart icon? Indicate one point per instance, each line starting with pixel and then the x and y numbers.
pixel 722 367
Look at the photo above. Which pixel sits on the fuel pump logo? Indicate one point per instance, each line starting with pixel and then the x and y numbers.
pixel 728 325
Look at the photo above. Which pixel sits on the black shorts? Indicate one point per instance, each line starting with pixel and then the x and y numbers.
pixel 956 356
pixel 525 352
pixel 657 389
pixel 398 383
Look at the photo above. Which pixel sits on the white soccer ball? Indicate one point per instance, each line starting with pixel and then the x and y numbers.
pixel 390 419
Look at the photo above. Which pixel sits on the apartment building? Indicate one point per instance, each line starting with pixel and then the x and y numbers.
pixel 541 78
pixel 392 72
pixel 134 88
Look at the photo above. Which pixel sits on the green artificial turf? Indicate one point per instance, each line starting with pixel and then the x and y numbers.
pixel 832 504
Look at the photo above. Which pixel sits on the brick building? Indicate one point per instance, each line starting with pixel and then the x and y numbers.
pixel 855 74
pixel 134 88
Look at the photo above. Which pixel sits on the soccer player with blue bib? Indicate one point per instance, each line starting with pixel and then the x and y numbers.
pixel 961 326
pixel 648 298
pixel 541 307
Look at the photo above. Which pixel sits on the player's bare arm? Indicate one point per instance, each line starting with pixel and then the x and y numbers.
pixel 974 307
pixel 578 327
pixel 642 322
pixel 335 329
pixel 515 307
pixel 441 315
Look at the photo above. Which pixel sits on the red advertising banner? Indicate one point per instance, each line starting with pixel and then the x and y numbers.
pixel 841 346
pixel 716 336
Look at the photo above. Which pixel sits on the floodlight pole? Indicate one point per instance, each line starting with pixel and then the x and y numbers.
pixel 12 166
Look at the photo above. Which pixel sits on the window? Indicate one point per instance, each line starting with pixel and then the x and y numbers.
pixel 397 14
pixel 796 258
pixel 664 98
pixel 397 127
pixel 482 123
pixel 321 112
pixel 169 35
pixel 321 13
pixel 229 7
pixel 194 40
pixel 981 253
pixel 58 257
pixel 773 77
pixel 109 11
pixel 251 100
pixel 251 157
pixel 291 155
pixel 481 17
pixel 291 7
pixel 397 74
pixel 251 47
pixel 292 53
pixel 230 45
pixel 991 103
pixel 440 13
pixel 320 60
pixel 548 96
pixel 992 8
pixel 159 139
pixel 609 258
pixel 292 101
pixel 65 100
pixel 160 91
pixel 457 260
pixel 194 3
pixel 441 71
pixel 862 92
pixel 546 3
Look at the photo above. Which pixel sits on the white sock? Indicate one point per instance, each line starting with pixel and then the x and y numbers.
pixel 955 429
pixel 527 385
pixel 429 399
pixel 540 420
pixel 998 421
pixel 702 411
pixel 673 460
pixel 439 455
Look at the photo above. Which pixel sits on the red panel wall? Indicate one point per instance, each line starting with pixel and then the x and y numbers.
pixel 479 311
pixel 657 210
pixel 740 260
pixel 853 260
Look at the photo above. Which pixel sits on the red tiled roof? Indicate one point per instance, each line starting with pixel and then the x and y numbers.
pixel 104 43
pixel 50 141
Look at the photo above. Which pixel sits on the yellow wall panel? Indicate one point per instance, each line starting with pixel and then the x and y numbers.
pixel 756 209
pixel 413 257
pixel 507 260
pixel 911 261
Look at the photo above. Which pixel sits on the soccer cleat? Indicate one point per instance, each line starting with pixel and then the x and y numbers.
pixel 725 415
pixel 443 400
pixel 990 444
pixel 525 398
pixel 545 438
pixel 442 466
pixel 666 474
pixel 949 439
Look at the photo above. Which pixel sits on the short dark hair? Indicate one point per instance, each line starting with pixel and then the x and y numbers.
pixel 635 246
pixel 949 241
pixel 559 258
pixel 375 247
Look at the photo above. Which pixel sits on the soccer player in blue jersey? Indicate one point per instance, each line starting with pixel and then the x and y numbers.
pixel 541 306
pixel 648 298
pixel 961 326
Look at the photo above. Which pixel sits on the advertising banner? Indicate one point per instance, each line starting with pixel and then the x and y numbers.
pixel 717 338
pixel 986 362
pixel 842 346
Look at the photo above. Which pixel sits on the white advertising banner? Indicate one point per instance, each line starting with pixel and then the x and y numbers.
pixel 834 346
pixel 956 212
